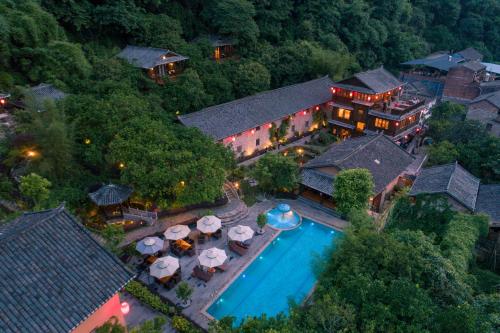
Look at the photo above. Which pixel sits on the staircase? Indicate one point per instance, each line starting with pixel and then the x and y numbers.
pixel 237 209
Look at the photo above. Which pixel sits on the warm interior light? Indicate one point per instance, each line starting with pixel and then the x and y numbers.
pixel 121 165
pixel 31 153
pixel 236 184
pixel 182 183
pixel 87 141
pixel 350 94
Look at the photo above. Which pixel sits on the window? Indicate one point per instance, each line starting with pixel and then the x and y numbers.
pixel 360 112
pixel 360 126
pixel 257 128
pixel 257 142
pixel 381 123
pixel 239 149
pixel 307 124
pixel 344 114
pixel 293 128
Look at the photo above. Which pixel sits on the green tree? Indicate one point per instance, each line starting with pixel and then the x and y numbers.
pixel 35 188
pixel 114 235
pixel 250 78
pixel 261 221
pixel 352 189
pixel 184 292
pixel 276 173
pixel 442 153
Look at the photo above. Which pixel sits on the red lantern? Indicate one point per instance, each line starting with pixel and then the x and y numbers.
pixel 333 90
pixel 2 101
pixel 233 138
pixel 369 98
pixel 125 307
pixel 270 125
pixel 253 131
pixel 350 94
pixel 304 112
pixel 317 108
pixel 397 123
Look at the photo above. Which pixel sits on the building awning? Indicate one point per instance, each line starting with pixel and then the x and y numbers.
pixel 341 124
pixel 342 106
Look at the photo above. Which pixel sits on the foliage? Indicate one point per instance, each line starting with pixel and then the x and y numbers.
pixel 261 220
pixel 353 188
pixel 151 326
pixel 36 188
pixel 143 294
pixel 276 173
pixel 442 153
pixel 111 326
pixel 183 291
pixel 182 325
pixel 250 78
pixel 114 235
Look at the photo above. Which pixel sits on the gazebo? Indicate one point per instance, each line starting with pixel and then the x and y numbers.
pixel 110 198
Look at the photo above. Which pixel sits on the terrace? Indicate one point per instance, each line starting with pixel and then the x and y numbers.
pixel 206 293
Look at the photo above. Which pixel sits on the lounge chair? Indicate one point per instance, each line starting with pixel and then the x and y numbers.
pixel 217 234
pixel 224 267
pixel 201 274
pixel 238 249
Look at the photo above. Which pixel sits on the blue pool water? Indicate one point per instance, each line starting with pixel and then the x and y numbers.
pixel 283 218
pixel 283 271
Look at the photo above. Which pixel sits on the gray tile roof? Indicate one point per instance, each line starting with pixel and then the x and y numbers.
pixel 377 153
pixel 53 274
pixel 470 53
pixel 488 201
pixel 216 40
pixel 224 120
pixel 378 80
pixel 475 66
pixel 45 92
pixel 149 57
pixel 493 98
pixel 450 179
pixel 491 86
pixel 442 62
pixel 111 194
pixel 4 95
pixel 317 180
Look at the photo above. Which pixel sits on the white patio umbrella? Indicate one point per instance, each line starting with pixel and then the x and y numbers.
pixel 177 232
pixel 208 224
pixel 212 257
pixel 240 233
pixel 164 266
pixel 149 245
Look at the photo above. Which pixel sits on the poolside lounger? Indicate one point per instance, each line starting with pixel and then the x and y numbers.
pixel 224 267
pixel 202 275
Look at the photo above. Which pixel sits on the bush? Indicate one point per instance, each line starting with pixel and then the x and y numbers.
pixel 143 294
pixel 182 325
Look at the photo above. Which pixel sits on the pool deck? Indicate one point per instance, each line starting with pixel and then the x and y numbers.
pixel 205 293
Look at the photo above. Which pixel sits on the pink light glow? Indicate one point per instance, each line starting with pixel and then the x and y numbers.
pixel 304 112
pixel 270 125
pixel 125 307
pixel 317 108
pixel 252 131
pixel 233 139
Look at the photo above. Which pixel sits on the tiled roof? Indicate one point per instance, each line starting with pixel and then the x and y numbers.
pixel 216 40
pixel 379 80
pixel 317 180
pixel 110 194
pixel 44 92
pixel 470 53
pixel 451 179
pixel 488 201
pixel 491 67
pixel 4 95
pixel 475 66
pixel 493 98
pixel 377 153
pixel 491 86
pixel 442 62
pixel 224 120
pixel 53 274
pixel 149 57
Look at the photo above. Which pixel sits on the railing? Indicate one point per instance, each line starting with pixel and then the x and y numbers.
pixel 134 213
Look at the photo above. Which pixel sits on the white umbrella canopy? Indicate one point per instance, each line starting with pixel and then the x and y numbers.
pixel 177 232
pixel 164 266
pixel 212 257
pixel 240 233
pixel 209 224
pixel 149 245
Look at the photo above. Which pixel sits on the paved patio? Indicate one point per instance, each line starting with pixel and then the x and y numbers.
pixel 205 293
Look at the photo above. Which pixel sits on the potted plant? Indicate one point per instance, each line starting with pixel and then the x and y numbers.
pixel 184 292
pixel 261 222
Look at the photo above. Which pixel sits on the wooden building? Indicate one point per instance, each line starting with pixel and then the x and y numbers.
pixel 159 63
pixel 223 47
pixel 4 97
pixel 462 83
pixel 385 160
pixel 245 124
pixel 463 191
pixel 486 110
pixel 373 101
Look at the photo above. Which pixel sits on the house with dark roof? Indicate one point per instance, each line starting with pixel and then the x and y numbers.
pixel 463 191
pixel 454 76
pixel 42 93
pixel 374 101
pixel 385 160
pixel 158 63
pixel 3 99
pixel 486 110
pixel 223 46
pixel 244 124
pixel 55 277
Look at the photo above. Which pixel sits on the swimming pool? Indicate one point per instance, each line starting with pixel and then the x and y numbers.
pixel 281 272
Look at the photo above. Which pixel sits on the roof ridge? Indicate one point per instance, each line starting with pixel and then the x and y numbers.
pixel 14 233
pixel 451 176
pixel 209 108
pixel 360 147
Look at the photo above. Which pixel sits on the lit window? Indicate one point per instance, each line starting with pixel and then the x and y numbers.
pixel 344 114
pixel 381 123
pixel 360 126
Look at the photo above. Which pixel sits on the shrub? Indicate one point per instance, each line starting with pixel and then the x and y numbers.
pixel 182 325
pixel 144 295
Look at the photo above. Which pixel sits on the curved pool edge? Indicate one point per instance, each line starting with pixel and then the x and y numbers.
pixel 284 229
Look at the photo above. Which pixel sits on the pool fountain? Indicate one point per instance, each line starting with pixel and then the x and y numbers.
pixel 283 218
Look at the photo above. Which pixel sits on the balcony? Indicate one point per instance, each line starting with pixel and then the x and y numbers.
pixel 398 108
